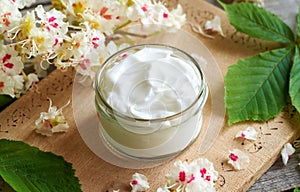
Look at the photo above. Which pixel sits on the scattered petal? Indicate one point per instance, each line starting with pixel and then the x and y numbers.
pixel 214 25
pixel 139 182
pixel 238 159
pixel 286 152
pixel 249 133
pixel 198 29
pixel 52 121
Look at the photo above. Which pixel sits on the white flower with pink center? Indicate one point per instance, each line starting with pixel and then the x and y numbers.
pixel 39 42
pixel 155 16
pixel 88 66
pixel 238 159
pixel 82 51
pixel 286 152
pixel 10 16
pixel 52 21
pixel 198 175
pixel 74 35
pixel 52 121
pixel 6 85
pixel 139 182
pixel 33 40
pixel 158 17
pixel 249 133
pixel 10 62
pixel 106 19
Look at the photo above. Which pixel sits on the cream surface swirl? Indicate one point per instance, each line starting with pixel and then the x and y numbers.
pixel 151 83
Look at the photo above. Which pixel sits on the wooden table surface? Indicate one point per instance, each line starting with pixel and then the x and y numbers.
pixel 17 121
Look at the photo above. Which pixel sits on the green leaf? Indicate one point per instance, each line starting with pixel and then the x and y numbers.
pixel 5 100
pixel 258 22
pixel 294 89
pixel 298 24
pixel 5 187
pixel 257 88
pixel 27 169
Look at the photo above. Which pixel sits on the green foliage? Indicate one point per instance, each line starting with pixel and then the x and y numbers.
pixel 5 100
pixel 258 88
pixel 27 169
pixel 294 89
pixel 258 22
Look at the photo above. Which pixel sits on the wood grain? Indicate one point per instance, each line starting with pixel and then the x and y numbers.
pixel 17 123
pixel 280 177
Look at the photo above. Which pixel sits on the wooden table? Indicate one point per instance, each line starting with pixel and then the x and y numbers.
pixel 17 123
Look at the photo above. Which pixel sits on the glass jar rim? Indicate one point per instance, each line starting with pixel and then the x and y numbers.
pixel 203 88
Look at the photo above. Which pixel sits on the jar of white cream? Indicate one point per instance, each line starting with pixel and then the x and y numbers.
pixel 149 100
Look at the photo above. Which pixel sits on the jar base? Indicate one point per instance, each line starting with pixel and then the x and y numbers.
pixel 162 152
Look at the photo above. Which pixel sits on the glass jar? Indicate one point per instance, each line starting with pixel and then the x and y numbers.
pixel 149 100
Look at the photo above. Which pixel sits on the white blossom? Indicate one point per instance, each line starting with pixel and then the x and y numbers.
pixel 10 16
pixel 199 175
pixel 286 152
pixel 11 85
pixel 52 121
pixel 79 34
pixel 6 85
pixel 238 159
pixel 22 3
pixel 10 62
pixel 157 17
pixel 52 21
pixel 249 133
pixel 139 182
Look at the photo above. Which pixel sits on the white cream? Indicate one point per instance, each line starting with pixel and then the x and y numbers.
pixel 150 84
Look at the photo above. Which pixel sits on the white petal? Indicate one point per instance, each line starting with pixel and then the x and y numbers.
pixel 249 133
pixel 214 25
pixel 139 182
pixel 238 159
pixel 286 152
pixel 163 189
pixel 60 128
pixel 31 78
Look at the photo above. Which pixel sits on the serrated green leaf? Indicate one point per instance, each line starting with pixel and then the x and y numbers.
pixel 258 22
pixel 294 89
pixel 256 88
pixel 27 169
